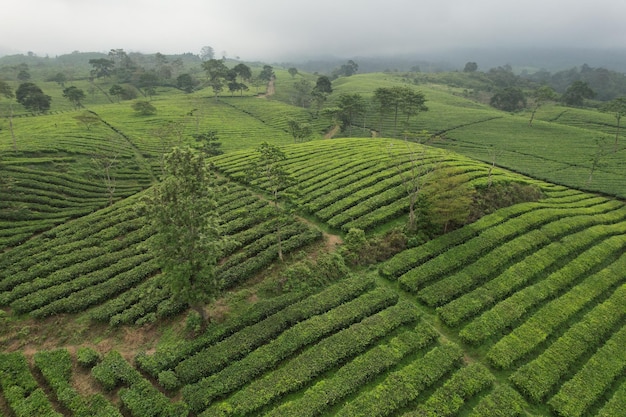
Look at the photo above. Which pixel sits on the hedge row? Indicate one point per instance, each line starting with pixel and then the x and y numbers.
pixel 552 222
pixel 537 378
pixel 23 395
pixel 503 401
pixel 505 313
pixel 240 272
pixel 169 355
pixel 61 255
pixel 523 339
pixel 56 368
pixel 591 381
pixel 81 300
pixel 140 398
pixel 356 373
pixel 95 259
pixel 52 243
pixel 323 356
pixel 379 216
pixel 354 197
pixel 42 298
pixel 452 395
pixel 110 308
pixel 520 274
pixel 405 385
pixel 411 258
pixel 483 269
pixel 616 405
pixel 292 340
pixel 215 357
pixel 363 184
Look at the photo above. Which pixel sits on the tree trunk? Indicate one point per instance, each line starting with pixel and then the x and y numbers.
pixel 204 315
pixel 11 127
pixel 532 116
pixel 617 134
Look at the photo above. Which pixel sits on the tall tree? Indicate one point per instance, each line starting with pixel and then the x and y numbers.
pixel 398 100
pixel 188 242
pixel 7 92
pixel 351 105
pixel 576 94
pixel 267 73
pixel 32 98
pixel 75 95
pixel 541 96
pixel 299 131
pixel 102 67
pixel 618 108
pixel 449 198
pixel 323 84
pixel 207 53
pixel 293 71
pixel 508 99
pixel 302 93
pixel 268 166
pixel 413 176
pixel 216 72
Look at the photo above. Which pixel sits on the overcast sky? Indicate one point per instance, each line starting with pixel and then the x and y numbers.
pixel 277 29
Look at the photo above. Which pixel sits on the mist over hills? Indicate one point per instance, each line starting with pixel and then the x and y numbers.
pixel 520 59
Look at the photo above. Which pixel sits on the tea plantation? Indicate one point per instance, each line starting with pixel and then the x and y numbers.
pixel 518 310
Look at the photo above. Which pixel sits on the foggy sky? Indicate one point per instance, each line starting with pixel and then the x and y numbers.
pixel 277 29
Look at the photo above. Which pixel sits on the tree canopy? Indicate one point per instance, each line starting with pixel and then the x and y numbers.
pixel 32 98
pixel 188 243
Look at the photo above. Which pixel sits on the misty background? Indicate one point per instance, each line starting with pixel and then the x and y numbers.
pixel 381 35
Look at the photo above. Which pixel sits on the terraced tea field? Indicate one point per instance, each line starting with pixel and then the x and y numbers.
pixel 518 313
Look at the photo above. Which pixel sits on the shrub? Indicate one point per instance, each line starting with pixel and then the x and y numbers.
pixel 87 357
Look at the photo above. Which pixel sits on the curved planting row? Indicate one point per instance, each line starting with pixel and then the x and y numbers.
pixel 540 288
pixel 103 260
pixel 359 183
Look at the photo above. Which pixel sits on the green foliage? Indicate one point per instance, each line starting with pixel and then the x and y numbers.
pixel 508 99
pixel 182 210
pixel 32 98
pixel 144 108
pixel 87 357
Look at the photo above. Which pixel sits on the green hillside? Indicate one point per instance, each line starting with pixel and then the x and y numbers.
pixel 505 298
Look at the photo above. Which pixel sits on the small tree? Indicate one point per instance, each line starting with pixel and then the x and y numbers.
pixel 508 99
pixel 576 94
pixel 32 98
pixel 449 198
pixel 302 93
pixel 75 95
pixel 293 71
pixel 186 83
pixel 88 119
pixel 351 105
pixel 299 131
pixel 216 72
pixel 596 159
pixel 104 165
pixel 470 67
pixel 116 91
pixel 323 85
pixel 268 166
pixel 618 108
pixel 412 178
pixel 144 108
pixel 209 143
pixel 541 95
pixel 7 92
pixel 188 242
